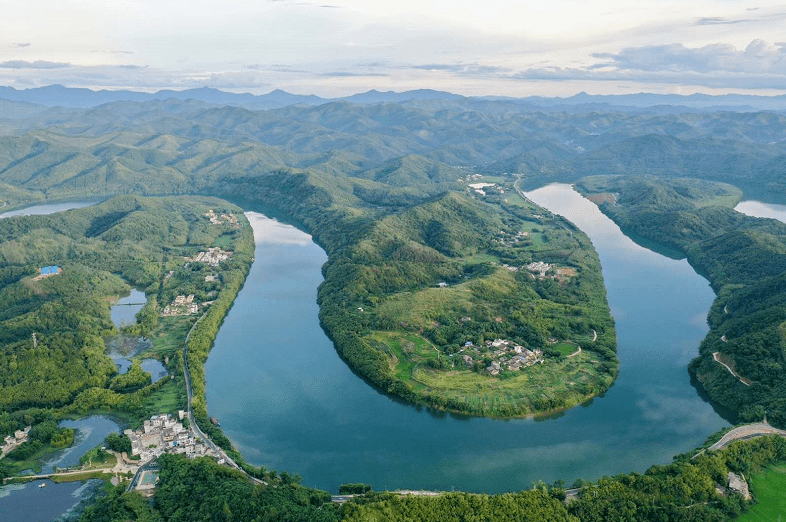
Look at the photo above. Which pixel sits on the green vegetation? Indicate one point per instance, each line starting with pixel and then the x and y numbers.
pixel 200 489
pixel 527 506
pixel 383 189
pixel 118 443
pixel 383 305
pixel 745 260
pixel 768 488
pixel 54 362
pixel 687 490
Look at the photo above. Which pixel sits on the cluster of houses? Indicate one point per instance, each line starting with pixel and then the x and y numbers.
pixel 478 188
pixel 223 218
pixel 539 267
pixel 212 257
pixel 510 239
pixel 12 441
pixel 507 355
pixel 182 305
pixel 165 434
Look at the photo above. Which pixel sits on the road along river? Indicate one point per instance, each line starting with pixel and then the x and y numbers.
pixel 289 403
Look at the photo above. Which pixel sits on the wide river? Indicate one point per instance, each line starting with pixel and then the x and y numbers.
pixel 288 402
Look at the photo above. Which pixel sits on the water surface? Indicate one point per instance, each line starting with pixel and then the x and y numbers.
pixel 29 503
pixel 51 208
pixel 124 311
pixel 288 402
pixel 763 210
pixel 90 432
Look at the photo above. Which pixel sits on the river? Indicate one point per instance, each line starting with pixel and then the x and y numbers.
pixel 51 208
pixel 762 210
pixel 288 402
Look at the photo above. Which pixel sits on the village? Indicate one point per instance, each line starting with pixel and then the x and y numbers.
pixel 507 355
pixel 182 305
pixel 223 218
pixel 14 441
pixel 213 256
pixel 165 434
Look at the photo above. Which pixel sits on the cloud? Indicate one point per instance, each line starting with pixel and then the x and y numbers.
pixel 719 21
pixel 349 74
pixel 759 57
pixel 38 64
pixel 463 69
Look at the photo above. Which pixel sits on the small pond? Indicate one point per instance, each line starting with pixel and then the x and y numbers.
pixel 123 347
pixel 125 309
pixel 91 431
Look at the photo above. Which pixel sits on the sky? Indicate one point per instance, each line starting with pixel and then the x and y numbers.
pixel 337 48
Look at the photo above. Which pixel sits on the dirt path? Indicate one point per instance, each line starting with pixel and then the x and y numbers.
pixel 574 353
pixel 594 336
pixel 716 355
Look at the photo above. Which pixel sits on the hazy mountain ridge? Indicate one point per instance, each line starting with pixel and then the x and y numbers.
pixel 61 96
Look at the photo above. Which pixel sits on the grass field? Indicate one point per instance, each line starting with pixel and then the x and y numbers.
pixel 769 487
pixel 169 334
pixel 566 348
pixel 167 399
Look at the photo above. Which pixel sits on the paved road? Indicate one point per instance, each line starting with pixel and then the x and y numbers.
pixel 748 431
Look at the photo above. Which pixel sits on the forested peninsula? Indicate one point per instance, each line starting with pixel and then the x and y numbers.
pixel 741 361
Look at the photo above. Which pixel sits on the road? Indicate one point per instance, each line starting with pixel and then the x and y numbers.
pixel 716 356
pixel 199 433
pixel 748 431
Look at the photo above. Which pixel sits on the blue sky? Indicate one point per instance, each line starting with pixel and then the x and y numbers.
pixel 339 47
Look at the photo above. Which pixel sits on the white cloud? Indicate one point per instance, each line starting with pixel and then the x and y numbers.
pixel 493 47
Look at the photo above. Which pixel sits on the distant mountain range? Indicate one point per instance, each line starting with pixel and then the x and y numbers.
pixel 68 97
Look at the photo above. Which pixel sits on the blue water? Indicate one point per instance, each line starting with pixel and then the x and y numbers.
pixel 157 370
pixel 29 503
pixel 124 311
pixel 91 432
pixel 288 402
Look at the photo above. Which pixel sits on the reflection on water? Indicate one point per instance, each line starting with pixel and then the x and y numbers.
pixel 763 210
pixel 90 432
pixel 124 311
pixel 289 402
pixel 27 502
pixel 51 208
pixel 270 231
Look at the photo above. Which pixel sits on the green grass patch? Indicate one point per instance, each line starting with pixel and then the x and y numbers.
pixel 169 398
pixel 170 334
pixel 98 459
pixel 568 382
pixel 76 477
pixel 769 487
pixel 566 348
